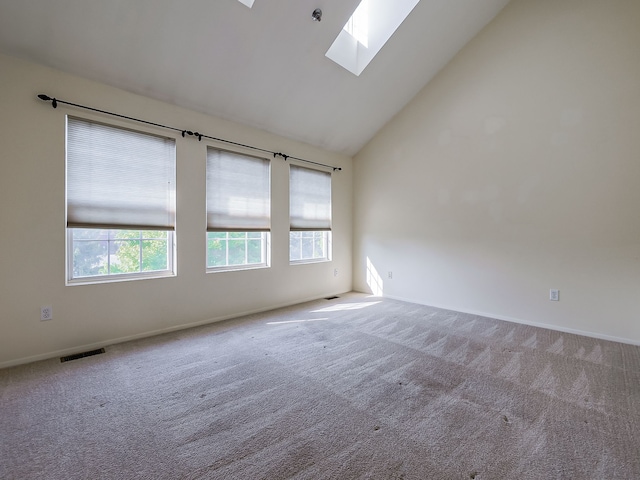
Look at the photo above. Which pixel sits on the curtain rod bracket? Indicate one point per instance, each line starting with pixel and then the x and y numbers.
pixel 192 134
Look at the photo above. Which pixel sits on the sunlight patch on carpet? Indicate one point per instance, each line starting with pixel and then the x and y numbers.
pixel 297 321
pixel 345 306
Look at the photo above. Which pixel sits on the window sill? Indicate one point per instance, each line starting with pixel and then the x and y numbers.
pixel 236 268
pixel 310 260
pixel 125 277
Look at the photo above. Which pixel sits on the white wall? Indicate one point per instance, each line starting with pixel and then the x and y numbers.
pixel 32 218
pixel 516 170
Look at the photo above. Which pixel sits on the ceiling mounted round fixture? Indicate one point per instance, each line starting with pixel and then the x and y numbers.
pixel 317 15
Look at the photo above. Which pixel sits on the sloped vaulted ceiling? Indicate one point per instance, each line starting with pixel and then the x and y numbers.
pixel 263 66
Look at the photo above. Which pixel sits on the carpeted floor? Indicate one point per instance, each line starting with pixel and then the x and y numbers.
pixel 352 388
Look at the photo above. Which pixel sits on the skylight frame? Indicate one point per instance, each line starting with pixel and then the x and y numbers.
pixel 384 18
pixel 358 24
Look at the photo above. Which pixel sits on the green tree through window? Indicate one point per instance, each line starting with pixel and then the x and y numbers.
pixel 111 252
pixel 228 249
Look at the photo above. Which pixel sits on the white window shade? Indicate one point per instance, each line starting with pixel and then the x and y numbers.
pixel 309 199
pixel 118 178
pixel 238 192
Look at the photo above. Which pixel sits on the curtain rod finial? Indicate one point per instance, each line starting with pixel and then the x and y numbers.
pixel 46 98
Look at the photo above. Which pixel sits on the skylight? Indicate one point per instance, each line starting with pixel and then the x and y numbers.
pixel 365 33
pixel 248 3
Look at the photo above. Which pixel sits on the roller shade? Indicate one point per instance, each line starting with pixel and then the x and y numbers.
pixel 119 178
pixel 238 192
pixel 309 199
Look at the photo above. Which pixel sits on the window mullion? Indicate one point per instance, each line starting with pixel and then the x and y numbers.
pixel 226 246
pixel 109 252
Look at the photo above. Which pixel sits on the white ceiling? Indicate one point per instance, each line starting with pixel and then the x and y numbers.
pixel 264 67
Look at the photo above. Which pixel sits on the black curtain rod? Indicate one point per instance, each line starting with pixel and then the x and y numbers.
pixel 54 103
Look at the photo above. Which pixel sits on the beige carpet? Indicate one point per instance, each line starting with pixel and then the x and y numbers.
pixel 351 388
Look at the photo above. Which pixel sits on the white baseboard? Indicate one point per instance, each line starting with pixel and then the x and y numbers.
pixel 574 331
pixel 138 336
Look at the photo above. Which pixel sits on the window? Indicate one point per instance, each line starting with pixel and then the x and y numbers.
pixel 226 249
pixel 120 203
pixel 114 252
pixel 309 215
pixel 238 210
pixel 308 246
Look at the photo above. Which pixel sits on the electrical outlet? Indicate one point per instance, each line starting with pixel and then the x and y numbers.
pixel 554 295
pixel 335 272
pixel 46 313
pixel 390 275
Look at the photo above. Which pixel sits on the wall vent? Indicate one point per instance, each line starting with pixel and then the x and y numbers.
pixel 332 298
pixel 76 356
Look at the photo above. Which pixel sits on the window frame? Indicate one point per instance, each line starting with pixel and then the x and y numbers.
pixel 266 254
pixel 120 277
pixel 327 244
pixel 171 271
pixel 306 224
pixel 266 239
